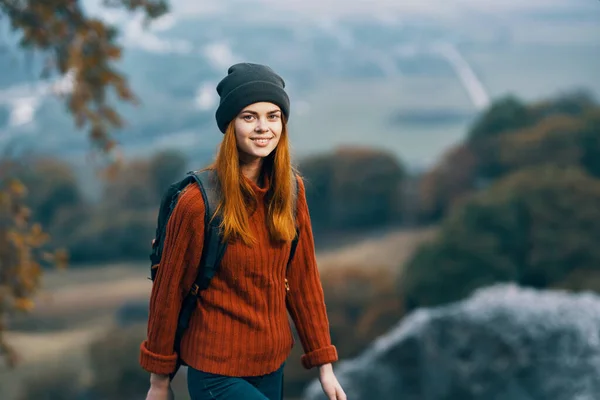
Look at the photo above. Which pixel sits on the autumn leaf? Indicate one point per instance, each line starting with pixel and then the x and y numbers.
pixel 17 188
pixel 24 304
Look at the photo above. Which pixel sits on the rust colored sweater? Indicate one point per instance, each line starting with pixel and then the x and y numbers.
pixel 240 326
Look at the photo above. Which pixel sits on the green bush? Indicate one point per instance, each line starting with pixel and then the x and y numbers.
pixel 509 114
pixel 123 234
pixel 558 139
pixel 52 187
pixel 534 227
pixel 446 183
pixel 353 188
pixel 504 115
pixel 509 136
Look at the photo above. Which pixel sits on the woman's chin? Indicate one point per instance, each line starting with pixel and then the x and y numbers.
pixel 261 151
pixel 258 152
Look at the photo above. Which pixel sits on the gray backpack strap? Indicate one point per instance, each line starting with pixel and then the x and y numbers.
pixel 214 246
pixel 295 210
pixel 212 252
pixel 294 194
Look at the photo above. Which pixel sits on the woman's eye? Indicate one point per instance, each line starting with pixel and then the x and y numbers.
pixel 274 116
pixel 248 117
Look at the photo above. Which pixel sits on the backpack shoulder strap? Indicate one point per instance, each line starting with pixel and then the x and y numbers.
pixel 167 205
pixel 295 209
pixel 294 180
pixel 212 251
pixel 214 246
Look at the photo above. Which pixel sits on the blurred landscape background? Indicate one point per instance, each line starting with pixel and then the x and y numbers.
pixel 447 146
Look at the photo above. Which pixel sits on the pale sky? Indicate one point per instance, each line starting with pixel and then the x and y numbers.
pixel 334 8
pixel 338 8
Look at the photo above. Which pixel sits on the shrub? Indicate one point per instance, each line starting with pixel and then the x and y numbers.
pixel 560 140
pixel 535 227
pixel 122 234
pixel 354 187
pixel 451 179
pixel 504 115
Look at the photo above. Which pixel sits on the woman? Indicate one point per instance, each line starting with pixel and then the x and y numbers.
pixel 239 336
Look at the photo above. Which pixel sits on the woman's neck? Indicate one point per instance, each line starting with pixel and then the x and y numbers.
pixel 251 170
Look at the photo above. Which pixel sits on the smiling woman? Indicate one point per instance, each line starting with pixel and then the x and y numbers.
pixel 239 335
pixel 257 130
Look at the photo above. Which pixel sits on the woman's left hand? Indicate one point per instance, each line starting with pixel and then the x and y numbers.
pixel 331 387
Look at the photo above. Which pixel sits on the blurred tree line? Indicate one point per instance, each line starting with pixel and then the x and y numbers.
pixel 517 201
pixel 120 224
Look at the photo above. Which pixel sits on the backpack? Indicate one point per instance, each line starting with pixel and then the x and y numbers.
pixel 214 246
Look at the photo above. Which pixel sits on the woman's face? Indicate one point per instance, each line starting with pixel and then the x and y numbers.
pixel 257 130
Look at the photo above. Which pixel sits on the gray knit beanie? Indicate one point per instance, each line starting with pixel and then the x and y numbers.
pixel 245 84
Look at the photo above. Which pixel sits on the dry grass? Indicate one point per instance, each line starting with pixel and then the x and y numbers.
pixel 56 353
pixel 390 250
pixel 80 296
pixel 36 347
pixel 91 295
pixel 97 273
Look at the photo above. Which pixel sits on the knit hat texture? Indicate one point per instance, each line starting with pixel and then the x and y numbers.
pixel 245 84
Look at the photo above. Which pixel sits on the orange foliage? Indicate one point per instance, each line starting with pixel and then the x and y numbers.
pixel 83 49
pixel 22 252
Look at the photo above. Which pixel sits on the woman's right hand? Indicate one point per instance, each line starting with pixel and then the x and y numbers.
pixel 160 389
pixel 160 393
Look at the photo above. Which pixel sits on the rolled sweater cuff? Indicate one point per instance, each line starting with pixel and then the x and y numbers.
pixel 324 355
pixel 157 363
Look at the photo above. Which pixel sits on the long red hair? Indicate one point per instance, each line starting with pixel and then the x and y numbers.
pixel 238 197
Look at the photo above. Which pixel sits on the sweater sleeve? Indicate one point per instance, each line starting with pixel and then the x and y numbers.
pixel 174 278
pixel 305 300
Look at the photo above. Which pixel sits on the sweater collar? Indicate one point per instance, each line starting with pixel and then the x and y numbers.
pixel 259 191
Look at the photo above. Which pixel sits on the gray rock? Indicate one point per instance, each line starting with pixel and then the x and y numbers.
pixel 502 343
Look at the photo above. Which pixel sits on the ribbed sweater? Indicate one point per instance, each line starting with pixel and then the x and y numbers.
pixel 240 326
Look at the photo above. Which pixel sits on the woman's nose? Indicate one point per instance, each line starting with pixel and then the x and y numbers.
pixel 261 125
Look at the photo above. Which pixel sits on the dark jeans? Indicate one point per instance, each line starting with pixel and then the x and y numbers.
pixel 206 386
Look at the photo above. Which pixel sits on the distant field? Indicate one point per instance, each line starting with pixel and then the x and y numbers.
pixel 94 273
pixel 390 250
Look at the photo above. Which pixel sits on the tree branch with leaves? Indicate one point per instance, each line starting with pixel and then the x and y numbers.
pixel 84 49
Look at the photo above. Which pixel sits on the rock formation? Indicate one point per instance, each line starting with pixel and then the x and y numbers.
pixel 502 343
